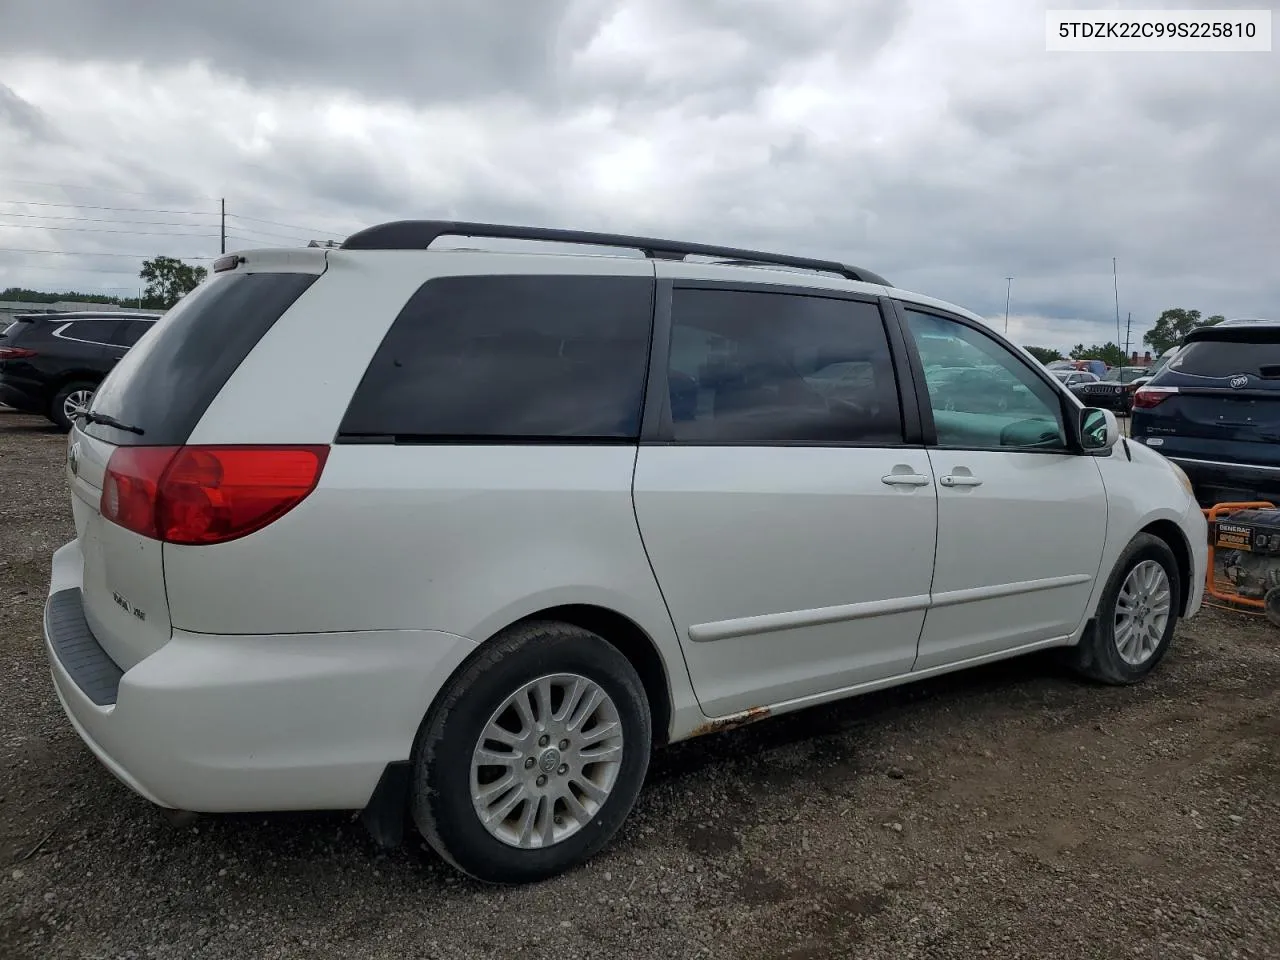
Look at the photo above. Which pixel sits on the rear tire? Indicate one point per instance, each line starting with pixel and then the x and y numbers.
pixel 76 393
pixel 1136 616
pixel 533 755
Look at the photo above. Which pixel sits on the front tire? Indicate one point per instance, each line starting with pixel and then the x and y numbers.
pixel 72 396
pixel 533 755
pixel 1136 616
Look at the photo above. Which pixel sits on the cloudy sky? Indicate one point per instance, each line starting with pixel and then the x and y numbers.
pixel 933 141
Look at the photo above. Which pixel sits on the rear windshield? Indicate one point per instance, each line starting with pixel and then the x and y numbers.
pixel 164 385
pixel 11 329
pixel 1224 358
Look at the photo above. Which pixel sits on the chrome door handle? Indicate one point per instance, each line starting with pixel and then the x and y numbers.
pixel 906 480
pixel 951 480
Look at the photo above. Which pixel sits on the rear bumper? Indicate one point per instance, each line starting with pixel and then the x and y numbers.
pixel 1216 481
pixel 251 723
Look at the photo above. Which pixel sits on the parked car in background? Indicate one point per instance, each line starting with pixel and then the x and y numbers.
pixel 540 513
pixel 1097 367
pixel 1215 411
pixel 1071 378
pixel 1113 391
pixel 1159 365
pixel 51 364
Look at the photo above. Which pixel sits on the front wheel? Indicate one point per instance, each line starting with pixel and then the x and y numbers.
pixel 1136 616
pixel 533 756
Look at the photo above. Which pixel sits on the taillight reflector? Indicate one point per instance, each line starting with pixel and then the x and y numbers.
pixel 1147 397
pixel 207 494
pixel 15 353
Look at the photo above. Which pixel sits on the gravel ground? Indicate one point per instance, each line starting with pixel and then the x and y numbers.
pixel 1006 812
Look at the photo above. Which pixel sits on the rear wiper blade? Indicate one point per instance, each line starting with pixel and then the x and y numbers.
pixel 107 421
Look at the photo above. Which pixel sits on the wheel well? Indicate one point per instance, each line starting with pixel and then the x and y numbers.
pixel 1171 533
pixel 633 643
pixel 73 376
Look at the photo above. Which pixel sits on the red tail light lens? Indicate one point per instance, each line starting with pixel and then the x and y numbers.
pixel 1148 397
pixel 16 353
pixel 203 495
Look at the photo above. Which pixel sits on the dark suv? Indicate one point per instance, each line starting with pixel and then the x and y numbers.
pixel 1215 411
pixel 51 363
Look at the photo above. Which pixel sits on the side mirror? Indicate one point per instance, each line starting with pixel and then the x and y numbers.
pixel 1099 430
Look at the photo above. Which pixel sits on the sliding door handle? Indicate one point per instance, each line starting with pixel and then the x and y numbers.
pixel 905 480
pixel 959 480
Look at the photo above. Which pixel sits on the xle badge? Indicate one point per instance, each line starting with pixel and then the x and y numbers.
pixel 124 605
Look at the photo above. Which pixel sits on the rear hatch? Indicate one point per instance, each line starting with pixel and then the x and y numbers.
pixel 1218 399
pixel 146 407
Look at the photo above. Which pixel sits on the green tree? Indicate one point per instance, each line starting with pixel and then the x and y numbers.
pixel 169 279
pixel 1044 354
pixel 1174 324
pixel 1107 352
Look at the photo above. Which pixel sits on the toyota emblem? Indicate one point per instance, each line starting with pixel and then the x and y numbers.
pixel 1238 381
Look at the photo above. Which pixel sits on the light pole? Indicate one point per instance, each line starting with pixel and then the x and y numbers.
pixel 1115 280
pixel 1007 294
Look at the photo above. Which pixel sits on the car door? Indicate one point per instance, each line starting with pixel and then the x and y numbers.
pixel 785 501
pixel 1021 517
pixel 85 342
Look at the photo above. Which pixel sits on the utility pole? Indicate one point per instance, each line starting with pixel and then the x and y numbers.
pixel 1008 292
pixel 1128 330
pixel 1116 280
pixel 224 225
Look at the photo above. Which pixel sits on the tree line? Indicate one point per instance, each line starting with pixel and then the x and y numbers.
pixel 167 280
pixel 1173 324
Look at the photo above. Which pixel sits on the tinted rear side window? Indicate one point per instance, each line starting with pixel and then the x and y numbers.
pixel 1222 358
pixel 91 333
pixel 164 385
pixel 774 368
pixel 510 358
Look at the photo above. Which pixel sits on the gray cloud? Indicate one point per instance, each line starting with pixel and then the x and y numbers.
pixel 417 51
pixel 25 120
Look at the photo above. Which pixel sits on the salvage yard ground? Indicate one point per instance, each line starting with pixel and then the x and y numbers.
pixel 1007 812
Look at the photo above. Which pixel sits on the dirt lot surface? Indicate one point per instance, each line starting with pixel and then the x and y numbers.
pixel 1007 812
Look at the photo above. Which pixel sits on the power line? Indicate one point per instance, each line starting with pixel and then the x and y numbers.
pixel 140 223
pixel 136 233
pixel 290 226
pixel 88 206
pixel 68 186
pixel 184 213
pixel 268 233
pixel 65 269
pixel 93 253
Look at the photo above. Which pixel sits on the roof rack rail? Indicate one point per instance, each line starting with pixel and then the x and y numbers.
pixel 420 234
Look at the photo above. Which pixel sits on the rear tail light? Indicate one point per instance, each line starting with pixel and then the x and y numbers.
pixel 1147 397
pixel 207 494
pixel 15 353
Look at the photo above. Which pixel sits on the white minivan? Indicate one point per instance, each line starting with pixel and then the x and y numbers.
pixel 455 537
